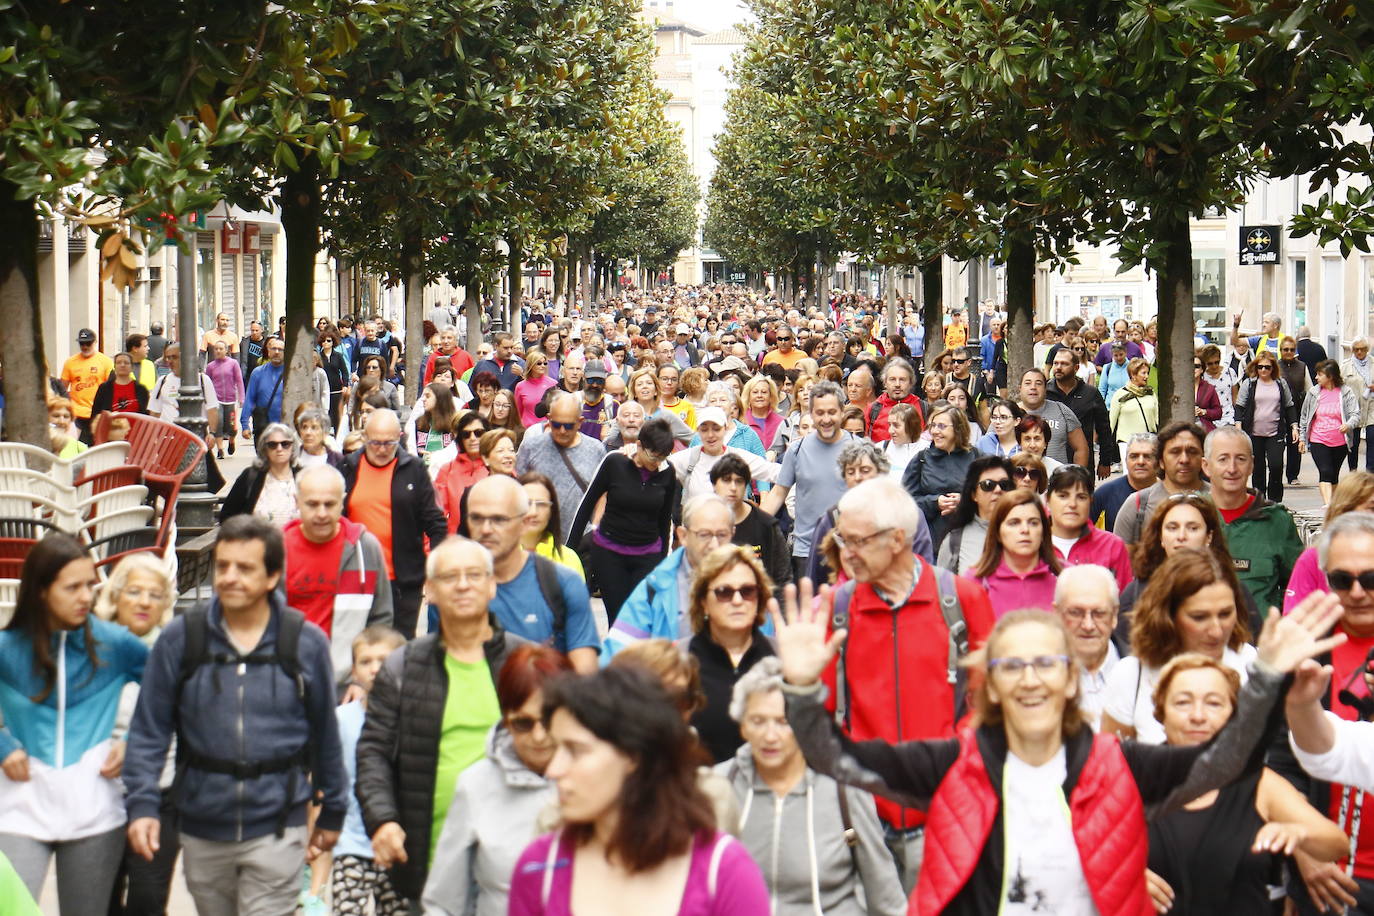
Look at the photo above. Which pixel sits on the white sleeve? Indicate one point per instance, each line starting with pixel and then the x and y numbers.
pixel 762 469
pixel 1350 761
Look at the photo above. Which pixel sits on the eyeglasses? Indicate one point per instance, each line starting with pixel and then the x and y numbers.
pixel 278 443
pixel 157 596
pixel 496 521
pixel 473 433
pixel 1343 581
pixel 1077 614
pixel 1004 484
pixel 747 593
pixel 521 725
pixel 383 443
pixel 856 543
pixel 1080 349
pixel 540 503
pixel 720 537
pixel 460 576
pixel 563 426
pixel 1042 664
pixel 1028 472
pixel 1197 367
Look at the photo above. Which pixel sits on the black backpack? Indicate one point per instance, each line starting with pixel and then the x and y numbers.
pixel 546 571
pixel 196 653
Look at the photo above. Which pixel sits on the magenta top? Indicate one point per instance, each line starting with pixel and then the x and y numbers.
pixel 722 880
pixel 528 394
pixel 1307 577
pixel 227 378
pixel 1326 425
pixel 1009 592
pixel 1103 549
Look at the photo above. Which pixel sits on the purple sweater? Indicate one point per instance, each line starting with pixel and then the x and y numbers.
pixel 739 887
pixel 227 378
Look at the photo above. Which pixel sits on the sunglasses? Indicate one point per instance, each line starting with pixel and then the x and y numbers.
pixel 1260 367
pixel 1028 472
pixel 563 426
pixel 1005 484
pixel 521 725
pixel 278 443
pixel 726 593
pixel 474 433
pixel 1343 581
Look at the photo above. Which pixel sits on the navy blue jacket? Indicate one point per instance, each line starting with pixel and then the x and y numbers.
pixel 253 716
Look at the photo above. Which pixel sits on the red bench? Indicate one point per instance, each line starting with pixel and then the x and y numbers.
pixel 165 453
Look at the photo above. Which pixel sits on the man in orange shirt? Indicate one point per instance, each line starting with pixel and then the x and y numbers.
pixel 785 355
pixel 956 335
pixel 390 494
pixel 83 374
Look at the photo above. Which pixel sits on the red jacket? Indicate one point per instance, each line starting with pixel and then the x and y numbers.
pixel 896 666
pixel 1105 810
pixel 877 425
pixel 453 480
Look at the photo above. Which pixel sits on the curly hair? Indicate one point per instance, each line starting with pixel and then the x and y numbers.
pixel 719 561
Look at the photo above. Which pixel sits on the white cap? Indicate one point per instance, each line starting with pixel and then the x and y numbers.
pixel 711 415
pixel 684 329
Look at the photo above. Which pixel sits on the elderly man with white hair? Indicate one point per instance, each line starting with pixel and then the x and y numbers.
pixel 909 623
pixel 1087 600
pixel 1268 336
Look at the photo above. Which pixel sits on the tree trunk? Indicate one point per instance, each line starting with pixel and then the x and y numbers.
pixel 932 310
pixel 300 220
pixel 1020 330
pixel 21 329
pixel 472 307
pixel 1174 357
pixel 559 274
pixel 517 285
pixel 412 269
pixel 894 321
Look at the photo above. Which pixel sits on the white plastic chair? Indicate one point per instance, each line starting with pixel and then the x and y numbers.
pixel 9 597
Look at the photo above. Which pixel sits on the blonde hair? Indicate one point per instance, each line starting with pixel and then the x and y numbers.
pixel 768 383
pixel 693 382
pixel 107 599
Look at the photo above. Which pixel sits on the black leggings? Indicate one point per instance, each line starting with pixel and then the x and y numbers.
pixel 617 574
pixel 1268 475
pixel 1328 460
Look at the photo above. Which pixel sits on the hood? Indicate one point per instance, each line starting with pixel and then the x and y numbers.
pixel 1259 507
pixel 501 751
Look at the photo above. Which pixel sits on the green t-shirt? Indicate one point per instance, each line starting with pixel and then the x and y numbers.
pixel 470 710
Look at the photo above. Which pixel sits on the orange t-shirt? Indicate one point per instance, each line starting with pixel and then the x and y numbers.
pixel 786 360
pixel 370 505
pixel 83 375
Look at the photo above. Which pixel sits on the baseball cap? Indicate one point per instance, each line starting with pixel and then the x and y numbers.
pixel 595 372
pixel 711 415
pixel 729 364
pixel 683 329
pixel 85 335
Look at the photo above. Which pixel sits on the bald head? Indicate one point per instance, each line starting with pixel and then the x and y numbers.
pixel 320 497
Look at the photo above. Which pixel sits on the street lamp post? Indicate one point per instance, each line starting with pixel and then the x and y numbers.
pixel 195 507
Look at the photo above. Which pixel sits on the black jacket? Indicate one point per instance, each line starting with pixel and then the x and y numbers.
pixel 1087 405
pixel 1311 353
pixel 718 732
pixel 414 514
pixel 930 475
pixel 243 495
pixel 104 397
pixel 398 750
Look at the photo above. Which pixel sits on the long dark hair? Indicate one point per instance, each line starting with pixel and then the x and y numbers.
pixel 992 547
pixel 42 566
pixel 555 527
pixel 661 808
pixel 967 509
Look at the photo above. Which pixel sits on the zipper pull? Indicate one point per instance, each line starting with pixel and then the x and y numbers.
pixel 243 669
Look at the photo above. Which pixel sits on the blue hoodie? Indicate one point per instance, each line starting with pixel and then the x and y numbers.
pixel 240 712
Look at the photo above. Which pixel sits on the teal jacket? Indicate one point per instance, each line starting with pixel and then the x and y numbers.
pixel 1264 543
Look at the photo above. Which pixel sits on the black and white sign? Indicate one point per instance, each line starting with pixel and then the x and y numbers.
pixel 1259 244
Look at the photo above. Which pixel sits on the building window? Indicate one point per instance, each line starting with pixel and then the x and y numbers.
pixel 1209 293
pixel 206 282
pixel 1298 294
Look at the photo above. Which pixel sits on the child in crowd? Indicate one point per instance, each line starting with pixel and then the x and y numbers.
pixel 118 429
pixel 354 879
pixel 61 420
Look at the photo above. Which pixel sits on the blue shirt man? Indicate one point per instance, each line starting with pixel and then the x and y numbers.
pixel 265 388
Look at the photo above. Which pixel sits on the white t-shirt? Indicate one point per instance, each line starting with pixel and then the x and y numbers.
pixel 1130 697
pixel 1043 871
pixel 1064 545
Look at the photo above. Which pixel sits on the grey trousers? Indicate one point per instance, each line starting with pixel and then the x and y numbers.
pixel 908 848
pixel 258 877
pixel 85 868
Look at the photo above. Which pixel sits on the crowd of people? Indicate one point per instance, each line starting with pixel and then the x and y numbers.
pixel 691 602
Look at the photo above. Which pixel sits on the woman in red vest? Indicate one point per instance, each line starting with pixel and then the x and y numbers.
pixel 1029 811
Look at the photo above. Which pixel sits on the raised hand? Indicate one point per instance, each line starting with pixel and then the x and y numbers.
pixel 1286 641
pixel 800 633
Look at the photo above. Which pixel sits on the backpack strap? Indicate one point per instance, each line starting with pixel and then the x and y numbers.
pixel 851 836
pixel 873 410
pixel 717 853
pixel 552 590
pixel 956 540
pixel 958 636
pixel 839 620
pixel 691 466
pixel 546 885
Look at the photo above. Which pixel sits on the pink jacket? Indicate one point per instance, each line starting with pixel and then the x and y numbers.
pixel 1307 578
pixel 1104 549
pixel 1009 592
